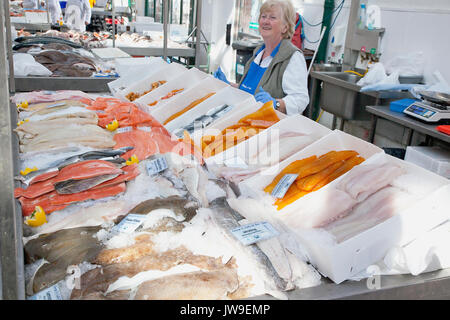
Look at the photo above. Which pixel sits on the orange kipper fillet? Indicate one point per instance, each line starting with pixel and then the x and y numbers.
pixel 324 161
pixel 348 165
pixel 189 107
pixel 291 196
pixel 291 168
pixel 308 183
pixel 266 112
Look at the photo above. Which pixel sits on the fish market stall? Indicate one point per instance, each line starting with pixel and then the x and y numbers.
pixel 110 198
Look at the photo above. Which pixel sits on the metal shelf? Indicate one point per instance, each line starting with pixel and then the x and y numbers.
pixel 62 83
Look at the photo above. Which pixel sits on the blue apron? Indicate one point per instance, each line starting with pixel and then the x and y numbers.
pixel 255 73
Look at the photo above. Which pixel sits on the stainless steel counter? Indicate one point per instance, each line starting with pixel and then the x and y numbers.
pixel 91 84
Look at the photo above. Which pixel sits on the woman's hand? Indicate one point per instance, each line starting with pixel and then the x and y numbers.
pixel 264 96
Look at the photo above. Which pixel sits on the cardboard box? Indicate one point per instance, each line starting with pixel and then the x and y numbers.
pixel 185 80
pixel 168 72
pixel 179 102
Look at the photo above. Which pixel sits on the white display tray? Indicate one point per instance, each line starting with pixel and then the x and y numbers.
pixel 185 81
pixel 167 72
pixel 179 102
pixel 132 70
pixel 229 95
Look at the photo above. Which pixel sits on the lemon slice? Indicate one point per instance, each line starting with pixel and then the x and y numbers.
pixel 37 218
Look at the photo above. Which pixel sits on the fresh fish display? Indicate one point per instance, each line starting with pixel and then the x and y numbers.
pixel 61 249
pixel 51 96
pixel 228 219
pixel 193 104
pixel 86 135
pixel 53 201
pixel 363 181
pixel 28 41
pixel 216 284
pixel 204 120
pixel 104 154
pixel 377 208
pixel 245 128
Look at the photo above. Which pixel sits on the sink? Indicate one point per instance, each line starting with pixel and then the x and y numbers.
pixel 327 67
pixel 341 96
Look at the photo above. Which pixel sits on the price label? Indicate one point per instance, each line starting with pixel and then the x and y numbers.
pixel 156 166
pixel 254 232
pixel 129 224
pixel 52 293
pixel 124 129
pixel 283 185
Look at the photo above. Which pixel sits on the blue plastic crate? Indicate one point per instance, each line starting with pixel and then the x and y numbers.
pixel 400 105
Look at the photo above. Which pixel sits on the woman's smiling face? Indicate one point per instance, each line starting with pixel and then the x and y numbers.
pixel 271 24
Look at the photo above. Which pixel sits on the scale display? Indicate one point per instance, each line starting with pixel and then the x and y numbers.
pixel 426 113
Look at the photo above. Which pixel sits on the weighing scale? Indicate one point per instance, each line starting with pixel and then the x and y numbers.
pixel 434 107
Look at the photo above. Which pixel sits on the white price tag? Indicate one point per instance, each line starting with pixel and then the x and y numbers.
pixel 52 293
pixel 283 185
pixel 236 162
pixel 254 232
pixel 130 223
pixel 156 166
pixel 124 129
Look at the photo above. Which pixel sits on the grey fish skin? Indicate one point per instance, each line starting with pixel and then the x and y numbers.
pixel 179 205
pixel 75 186
pixel 61 249
pixel 204 120
pixel 228 219
pixel 103 154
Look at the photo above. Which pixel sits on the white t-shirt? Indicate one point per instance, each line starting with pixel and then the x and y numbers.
pixel 294 83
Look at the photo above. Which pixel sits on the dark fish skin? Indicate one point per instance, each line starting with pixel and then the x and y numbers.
pixel 61 249
pixel 76 186
pixel 180 206
pixel 28 41
pixel 228 219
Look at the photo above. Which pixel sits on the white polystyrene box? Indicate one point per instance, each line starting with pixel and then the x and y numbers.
pixel 434 159
pixel 166 73
pixel 184 81
pixel 225 122
pixel 179 102
pixel 229 95
pixel 336 140
pixel 341 261
pixel 133 70
pixel 247 151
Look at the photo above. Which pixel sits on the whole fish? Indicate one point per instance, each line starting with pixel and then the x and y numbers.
pixel 105 154
pixel 74 186
pixel 61 249
pixel 204 120
pixel 228 219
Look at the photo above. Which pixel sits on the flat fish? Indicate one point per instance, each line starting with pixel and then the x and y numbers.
pixel 97 281
pixel 228 219
pixel 201 285
pixel 75 186
pixel 61 249
pixel 50 96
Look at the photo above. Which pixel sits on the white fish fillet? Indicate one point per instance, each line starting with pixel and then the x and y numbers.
pixel 317 211
pixel 86 135
pixel 287 144
pixel 362 181
pixel 29 130
pixel 212 285
pixel 58 113
pixel 377 208
pixel 46 96
pixel 44 105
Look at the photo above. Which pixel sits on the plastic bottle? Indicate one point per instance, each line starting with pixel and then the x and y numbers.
pixel 362 16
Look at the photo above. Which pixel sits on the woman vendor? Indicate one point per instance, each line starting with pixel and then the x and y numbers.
pixel 277 70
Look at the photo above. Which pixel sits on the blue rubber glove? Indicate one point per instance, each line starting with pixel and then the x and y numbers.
pixel 264 96
pixel 221 76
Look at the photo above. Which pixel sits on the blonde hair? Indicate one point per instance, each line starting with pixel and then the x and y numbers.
pixel 287 14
